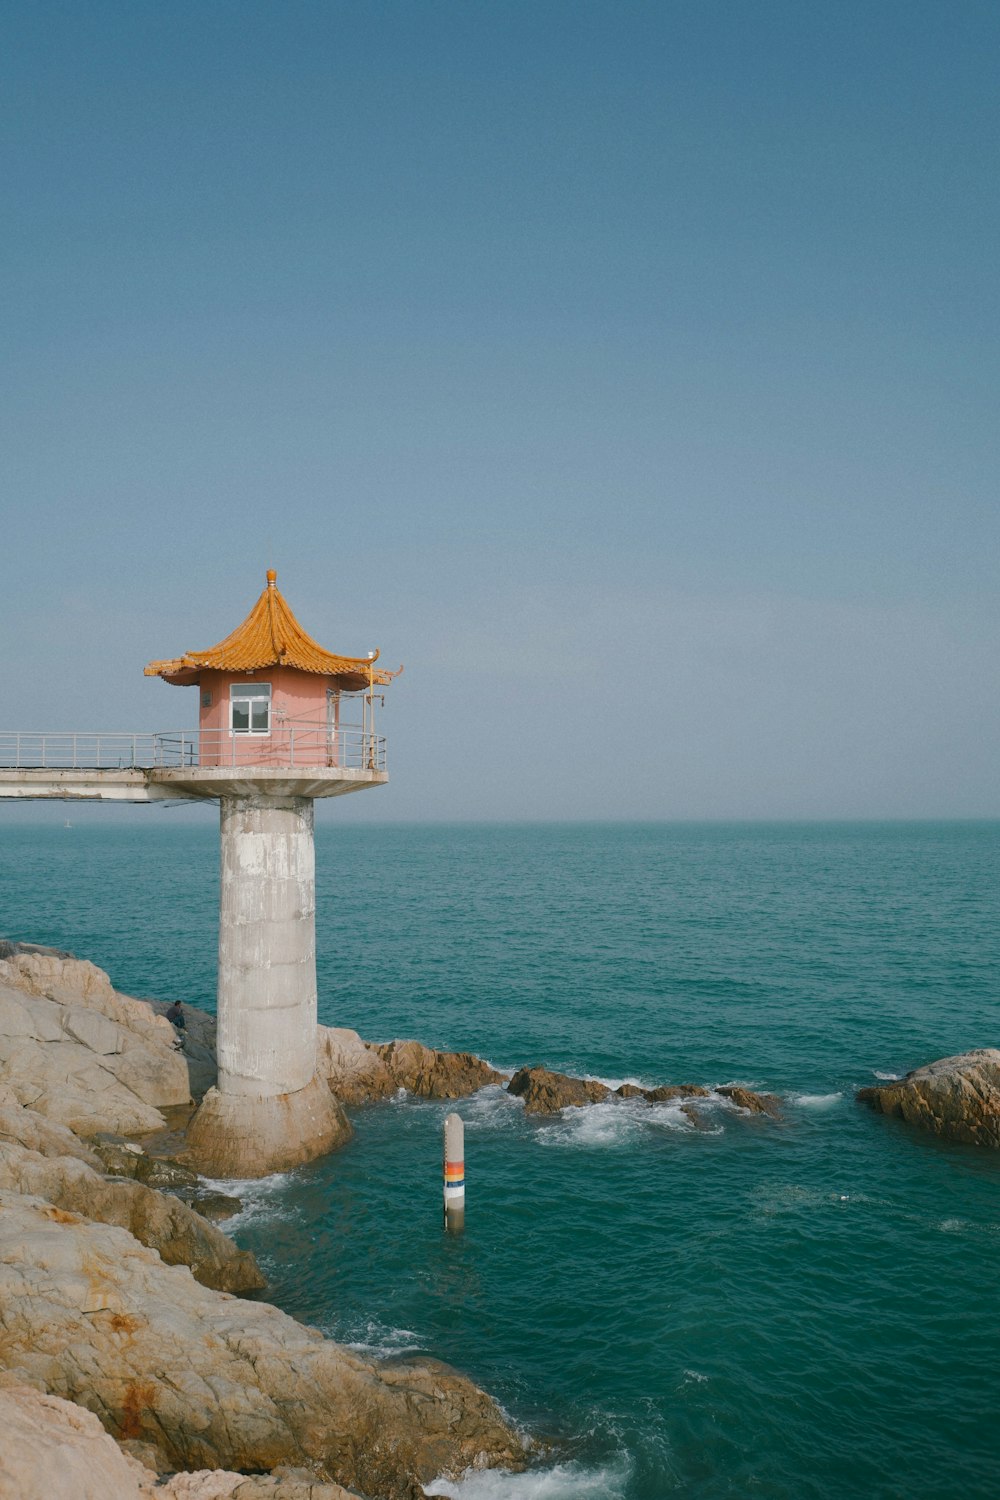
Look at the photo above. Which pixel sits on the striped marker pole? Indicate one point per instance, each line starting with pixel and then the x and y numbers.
pixel 454 1174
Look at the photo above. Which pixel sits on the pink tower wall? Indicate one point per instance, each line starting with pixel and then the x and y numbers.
pixel 298 717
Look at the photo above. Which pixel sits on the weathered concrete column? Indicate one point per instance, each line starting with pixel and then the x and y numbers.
pixel 269 1112
pixel 267 945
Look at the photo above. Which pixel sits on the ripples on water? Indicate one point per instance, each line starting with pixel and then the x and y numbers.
pixel 802 1309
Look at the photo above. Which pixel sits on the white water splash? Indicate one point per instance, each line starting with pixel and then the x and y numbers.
pixel 886 1077
pixel 491 1108
pixel 263 1198
pixel 376 1339
pixel 816 1101
pixel 561 1482
pixel 614 1124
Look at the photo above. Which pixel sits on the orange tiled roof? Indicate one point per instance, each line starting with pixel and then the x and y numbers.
pixel 270 636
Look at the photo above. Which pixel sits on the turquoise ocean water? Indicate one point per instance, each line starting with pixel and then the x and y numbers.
pixel 804 1309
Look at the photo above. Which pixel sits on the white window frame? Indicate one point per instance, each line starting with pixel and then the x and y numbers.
pixel 251 693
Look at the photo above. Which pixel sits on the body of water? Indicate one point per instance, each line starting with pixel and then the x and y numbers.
pixel 803 1310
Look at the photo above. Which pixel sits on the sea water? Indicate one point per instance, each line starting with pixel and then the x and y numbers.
pixel 794 1309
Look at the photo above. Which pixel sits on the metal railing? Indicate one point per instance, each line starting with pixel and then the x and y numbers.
pixel 71 751
pixel 289 744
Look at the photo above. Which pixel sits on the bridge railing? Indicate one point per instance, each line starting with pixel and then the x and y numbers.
pixel 289 744
pixel 74 750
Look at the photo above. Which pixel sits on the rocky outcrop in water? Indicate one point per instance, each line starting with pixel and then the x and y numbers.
pixel 361 1072
pixel 546 1093
pixel 98 1302
pixel 207 1380
pixel 748 1099
pixel 958 1098
pixel 435 1075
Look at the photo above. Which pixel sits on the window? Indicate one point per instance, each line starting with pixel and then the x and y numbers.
pixel 250 708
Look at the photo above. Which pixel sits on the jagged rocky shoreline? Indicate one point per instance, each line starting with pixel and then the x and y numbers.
pixel 131 1360
pixel 120 1297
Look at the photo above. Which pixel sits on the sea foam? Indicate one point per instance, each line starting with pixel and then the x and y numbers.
pixel 561 1482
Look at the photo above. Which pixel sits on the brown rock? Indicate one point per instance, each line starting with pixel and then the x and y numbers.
pixel 125 1159
pixel 545 1092
pixel 757 1104
pixel 215 1382
pixel 212 1206
pixel 669 1091
pixel 361 1072
pixel 435 1075
pixel 958 1098
pixel 353 1070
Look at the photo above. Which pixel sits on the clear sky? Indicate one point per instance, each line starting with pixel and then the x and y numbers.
pixel 628 370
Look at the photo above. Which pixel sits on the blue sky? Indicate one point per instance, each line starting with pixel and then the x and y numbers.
pixel 627 370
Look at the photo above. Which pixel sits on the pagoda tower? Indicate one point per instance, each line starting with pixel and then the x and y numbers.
pixel 273 735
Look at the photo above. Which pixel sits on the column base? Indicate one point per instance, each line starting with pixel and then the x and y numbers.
pixel 237 1135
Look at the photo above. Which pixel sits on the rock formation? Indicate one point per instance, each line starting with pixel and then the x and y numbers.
pixel 361 1072
pixel 208 1380
pixel 81 1054
pixel 55 1450
pixel 546 1093
pixel 757 1104
pixel 165 1224
pixel 957 1098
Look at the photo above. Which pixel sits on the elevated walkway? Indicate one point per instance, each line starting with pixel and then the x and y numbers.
pixel 137 784
pixel 185 765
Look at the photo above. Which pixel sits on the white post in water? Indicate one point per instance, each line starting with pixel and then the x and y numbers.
pixel 454 1174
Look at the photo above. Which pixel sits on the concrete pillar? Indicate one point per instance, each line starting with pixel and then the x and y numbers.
pixel 267 945
pixel 269 1111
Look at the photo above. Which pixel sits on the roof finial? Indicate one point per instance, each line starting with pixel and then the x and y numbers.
pixel 271 578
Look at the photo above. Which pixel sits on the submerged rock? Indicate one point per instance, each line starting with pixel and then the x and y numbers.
pixel 209 1380
pixel 957 1098
pixel 212 1206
